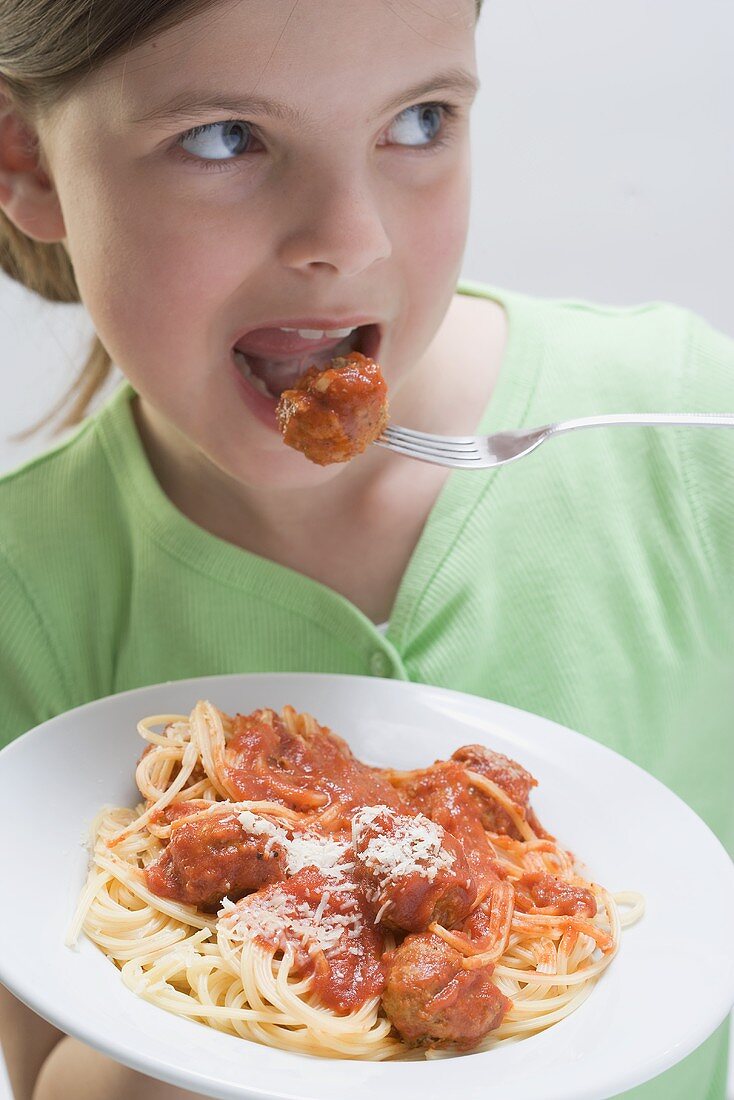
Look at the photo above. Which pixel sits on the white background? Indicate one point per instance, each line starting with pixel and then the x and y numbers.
pixel 603 169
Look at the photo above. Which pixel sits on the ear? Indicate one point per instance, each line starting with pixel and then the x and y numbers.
pixel 27 194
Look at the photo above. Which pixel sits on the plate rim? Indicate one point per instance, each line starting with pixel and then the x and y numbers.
pixel 129 1056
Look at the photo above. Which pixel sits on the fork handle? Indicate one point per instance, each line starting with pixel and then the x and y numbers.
pixel 702 420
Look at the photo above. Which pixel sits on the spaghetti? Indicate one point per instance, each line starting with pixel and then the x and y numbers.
pixel 274 887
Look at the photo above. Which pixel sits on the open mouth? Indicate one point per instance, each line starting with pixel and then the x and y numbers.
pixel 271 376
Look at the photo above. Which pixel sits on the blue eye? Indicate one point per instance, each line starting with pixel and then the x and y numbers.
pixel 220 140
pixel 418 125
pixel 217 145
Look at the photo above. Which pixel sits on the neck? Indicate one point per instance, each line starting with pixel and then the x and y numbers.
pixel 329 531
pixel 233 510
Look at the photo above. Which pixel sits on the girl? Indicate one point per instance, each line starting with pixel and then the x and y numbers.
pixel 206 174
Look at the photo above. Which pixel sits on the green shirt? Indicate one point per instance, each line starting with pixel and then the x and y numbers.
pixel 592 582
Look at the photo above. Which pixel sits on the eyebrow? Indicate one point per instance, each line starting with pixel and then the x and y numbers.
pixel 189 104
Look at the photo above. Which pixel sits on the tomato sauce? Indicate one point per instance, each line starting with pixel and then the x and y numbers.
pixel 321 902
pixel 513 779
pixel 443 793
pixel 334 414
pixel 211 857
pixel 554 896
pixel 413 871
pixel 329 925
pixel 265 760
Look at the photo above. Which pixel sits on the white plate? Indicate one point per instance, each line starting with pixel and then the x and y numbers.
pixel 629 829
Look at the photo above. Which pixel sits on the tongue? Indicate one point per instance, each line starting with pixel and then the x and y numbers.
pixel 281 370
pixel 271 343
pixel 279 375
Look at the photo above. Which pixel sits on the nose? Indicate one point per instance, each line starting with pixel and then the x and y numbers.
pixel 336 225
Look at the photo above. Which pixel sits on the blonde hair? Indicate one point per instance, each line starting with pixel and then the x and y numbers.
pixel 47 47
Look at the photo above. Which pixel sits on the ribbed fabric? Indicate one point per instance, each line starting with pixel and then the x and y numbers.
pixel 592 582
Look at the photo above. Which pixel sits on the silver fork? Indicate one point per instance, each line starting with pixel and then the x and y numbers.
pixel 478 452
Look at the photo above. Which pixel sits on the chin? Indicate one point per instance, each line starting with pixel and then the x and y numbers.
pixel 278 467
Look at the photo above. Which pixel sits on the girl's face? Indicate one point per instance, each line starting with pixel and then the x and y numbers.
pixel 268 164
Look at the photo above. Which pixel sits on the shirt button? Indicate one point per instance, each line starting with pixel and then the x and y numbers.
pixel 379 663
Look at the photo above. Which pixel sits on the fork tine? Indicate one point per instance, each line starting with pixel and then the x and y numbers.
pixel 444 450
pixel 431 448
pixel 431 444
pixel 416 446
pixel 408 434
pixel 438 458
pixel 451 446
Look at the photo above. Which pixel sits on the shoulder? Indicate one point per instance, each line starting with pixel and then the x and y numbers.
pixel 656 357
pixel 63 536
pixel 709 372
pixel 585 352
pixel 644 333
pixel 567 358
pixel 618 358
pixel 707 456
pixel 61 495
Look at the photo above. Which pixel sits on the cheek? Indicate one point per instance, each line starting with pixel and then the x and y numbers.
pixel 433 238
pixel 439 226
pixel 163 277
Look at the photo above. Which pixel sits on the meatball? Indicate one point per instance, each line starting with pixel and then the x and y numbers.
pixel 334 414
pixel 444 793
pixel 213 857
pixel 413 871
pixel 514 780
pixel 433 1002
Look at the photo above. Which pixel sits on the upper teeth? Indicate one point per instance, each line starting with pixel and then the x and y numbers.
pixel 319 334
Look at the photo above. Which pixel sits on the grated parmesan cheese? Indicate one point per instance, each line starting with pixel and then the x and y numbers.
pixel 401 846
pixel 277 918
pixel 307 849
pixel 260 826
pixel 312 850
pixel 407 846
